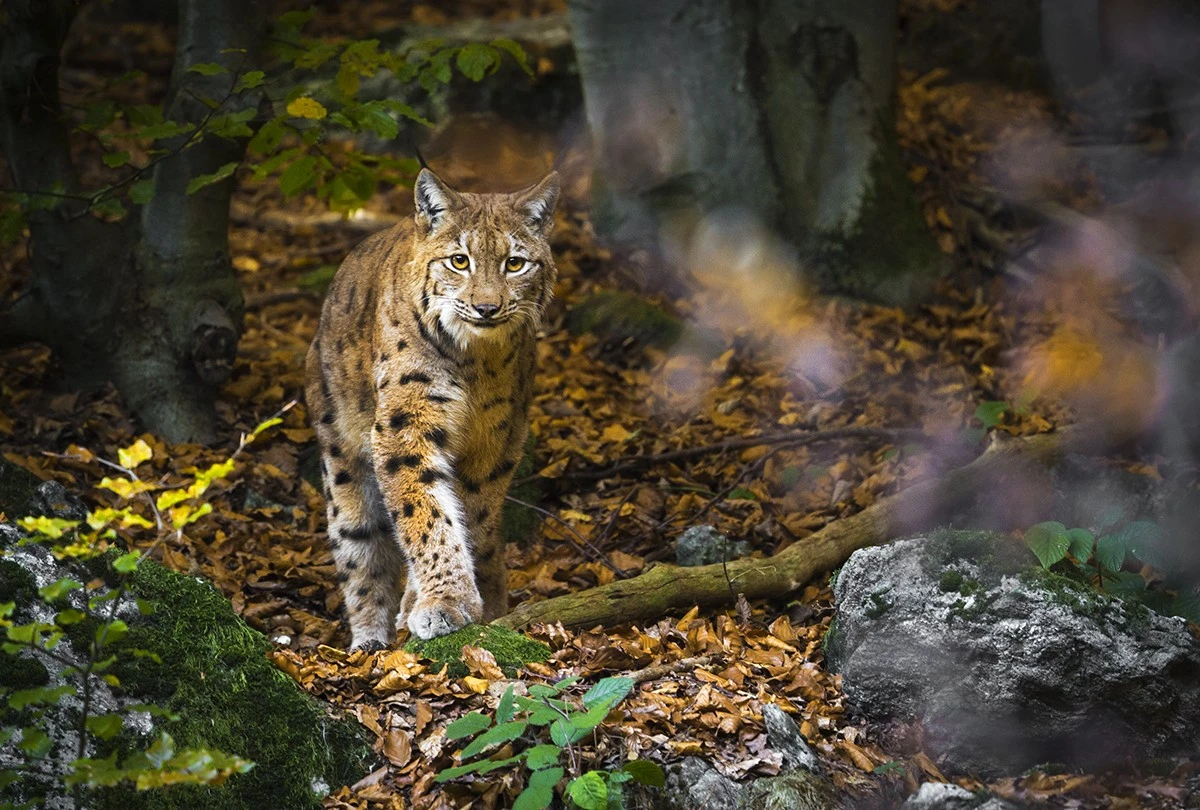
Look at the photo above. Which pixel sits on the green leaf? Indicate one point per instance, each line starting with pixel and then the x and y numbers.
pixel 563 732
pixel 467 725
pixel 482 766
pixel 59 588
pixel 1143 539
pixel 613 690
pixel 586 721
pixel 34 742
pixel 1082 544
pixel 39 696
pixel 127 563
pixel 69 616
pixel 504 732
pixel 1048 541
pixel 268 137
pixel 645 772
pixel 1187 605
pixel 589 791
pixel 474 60
pixel 141 192
pixel 299 176
pixel 109 207
pixel 542 756
pixel 532 798
pixel 104 726
pixel 249 80
pixel 110 633
pixel 200 181
pixel 546 777
pixel 504 710
pixel 1125 584
pixel 516 51
pixel 208 68
pixel 115 160
pixel 990 413
pixel 1110 552
pixel 742 494
pixel 376 116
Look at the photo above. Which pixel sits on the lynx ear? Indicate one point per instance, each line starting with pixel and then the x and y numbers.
pixel 434 198
pixel 537 203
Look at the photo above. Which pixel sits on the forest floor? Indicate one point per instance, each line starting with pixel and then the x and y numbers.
pixel 773 358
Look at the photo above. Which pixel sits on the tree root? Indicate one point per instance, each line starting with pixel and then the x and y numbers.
pixel 667 588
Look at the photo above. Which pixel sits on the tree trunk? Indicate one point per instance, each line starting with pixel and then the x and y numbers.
pixel 923 506
pixel 150 303
pixel 782 108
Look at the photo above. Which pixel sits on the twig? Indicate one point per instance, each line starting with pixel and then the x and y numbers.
pixel 792 439
pixel 581 541
pixel 656 671
pixel 280 297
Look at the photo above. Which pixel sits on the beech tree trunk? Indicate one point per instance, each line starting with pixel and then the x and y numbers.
pixel 782 108
pixel 150 303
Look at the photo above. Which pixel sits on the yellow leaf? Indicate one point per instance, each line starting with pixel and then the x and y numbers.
pixel 102 517
pixel 571 514
pixel 48 526
pixel 124 487
pixel 477 685
pixel 134 454
pixel 615 433
pixel 215 472
pixel 305 107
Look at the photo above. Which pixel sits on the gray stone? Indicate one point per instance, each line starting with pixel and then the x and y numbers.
pixel 53 500
pixel 693 784
pixel 704 545
pixel 783 735
pixel 941 796
pixel 1003 667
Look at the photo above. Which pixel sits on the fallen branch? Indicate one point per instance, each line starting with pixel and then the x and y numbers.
pixel 790 439
pixel 667 588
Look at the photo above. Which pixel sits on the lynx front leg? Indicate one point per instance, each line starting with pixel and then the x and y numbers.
pixel 484 510
pixel 416 478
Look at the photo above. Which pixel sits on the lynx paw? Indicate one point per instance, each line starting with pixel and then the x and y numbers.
pixel 439 616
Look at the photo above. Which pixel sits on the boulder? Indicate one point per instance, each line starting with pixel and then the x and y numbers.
pixel 704 545
pixel 187 652
pixel 1003 665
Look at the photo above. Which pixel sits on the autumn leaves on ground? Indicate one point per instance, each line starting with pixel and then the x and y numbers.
pixel 759 355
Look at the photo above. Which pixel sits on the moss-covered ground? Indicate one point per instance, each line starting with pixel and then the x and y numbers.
pixel 512 649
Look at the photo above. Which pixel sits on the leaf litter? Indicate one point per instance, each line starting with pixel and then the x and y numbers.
pixel 704 677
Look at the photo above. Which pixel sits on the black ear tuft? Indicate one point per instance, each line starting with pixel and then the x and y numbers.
pixel 433 198
pixel 538 202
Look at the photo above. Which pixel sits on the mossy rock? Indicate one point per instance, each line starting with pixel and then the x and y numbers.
pixel 616 317
pixel 17 489
pixel 216 676
pixel 512 649
pixel 213 673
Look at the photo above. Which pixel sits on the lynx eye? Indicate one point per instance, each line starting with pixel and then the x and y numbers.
pixel 514 264
pixel 460 261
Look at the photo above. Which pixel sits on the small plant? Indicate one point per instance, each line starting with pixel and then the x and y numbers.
pixel 518 717
pixel 85 611
pixel 1102 560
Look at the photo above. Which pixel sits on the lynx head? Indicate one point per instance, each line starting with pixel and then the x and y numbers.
pixel 486 257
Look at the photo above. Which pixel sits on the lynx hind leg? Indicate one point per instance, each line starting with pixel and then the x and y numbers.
pixel 369 562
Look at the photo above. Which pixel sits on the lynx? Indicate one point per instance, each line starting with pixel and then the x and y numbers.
pixel 418 384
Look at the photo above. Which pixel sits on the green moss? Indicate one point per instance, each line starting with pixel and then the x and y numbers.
pixel 833 643
pixel 216 676
pixel 1069 588
pixel 951 581
pixel 890 255
pixel 21 672
pixel 879 604
pixel 17 488
pixel 618 316
pixel 512 649
pixel 16 584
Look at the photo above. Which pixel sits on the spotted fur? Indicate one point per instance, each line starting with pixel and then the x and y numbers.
pixel 419 381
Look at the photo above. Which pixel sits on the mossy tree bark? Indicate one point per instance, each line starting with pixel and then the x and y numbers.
pixel 150 303
pixel 782 108
pixel 923 506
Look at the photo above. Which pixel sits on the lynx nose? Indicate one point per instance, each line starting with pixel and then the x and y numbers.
pixel 487 310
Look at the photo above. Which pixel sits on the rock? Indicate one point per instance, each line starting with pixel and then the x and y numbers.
pixel 18 487
pixel 940 796
pixel 1005 666
pixel 704 545
pixel 693 784
pixel 783 735
pixel 213 673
